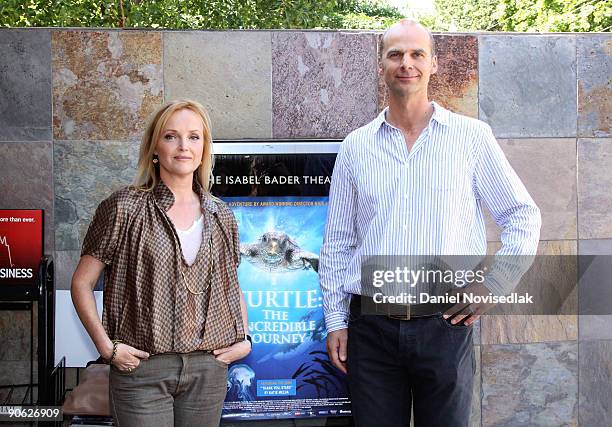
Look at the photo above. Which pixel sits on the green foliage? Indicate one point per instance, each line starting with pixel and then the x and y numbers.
pixel 456 15
pixel 554 15
pixel 199 14
pixel 464 15
pixel 524 15
pixel 53 13
pixel 355 14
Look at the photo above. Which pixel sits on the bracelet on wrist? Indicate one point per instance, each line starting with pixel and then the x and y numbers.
pixel 115 345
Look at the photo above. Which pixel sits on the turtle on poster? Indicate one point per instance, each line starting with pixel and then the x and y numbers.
pixel 276 252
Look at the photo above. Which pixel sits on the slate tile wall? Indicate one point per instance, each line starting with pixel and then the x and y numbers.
pixel 229 73
pixel 105 83
pixel 25 85
pixel 527 85
pixel 323 83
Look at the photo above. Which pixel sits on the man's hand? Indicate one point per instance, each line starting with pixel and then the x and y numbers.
pixel 336 348
pixel 234 352
pixel 469 313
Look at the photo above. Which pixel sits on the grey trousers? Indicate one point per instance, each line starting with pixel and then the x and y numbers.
pixel 170 389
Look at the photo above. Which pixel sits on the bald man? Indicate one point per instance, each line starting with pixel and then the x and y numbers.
pixel 413 182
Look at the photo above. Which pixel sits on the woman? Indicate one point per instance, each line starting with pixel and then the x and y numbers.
pixel 174 315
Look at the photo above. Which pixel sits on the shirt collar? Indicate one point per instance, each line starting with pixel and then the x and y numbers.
pixel 165 198
pixel 440 115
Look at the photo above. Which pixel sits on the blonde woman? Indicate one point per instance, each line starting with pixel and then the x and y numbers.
pixel 174 315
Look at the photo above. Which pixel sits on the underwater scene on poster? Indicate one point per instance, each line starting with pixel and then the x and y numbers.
pixel 288 373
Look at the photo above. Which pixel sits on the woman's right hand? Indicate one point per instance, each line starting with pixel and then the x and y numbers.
pixel 128 358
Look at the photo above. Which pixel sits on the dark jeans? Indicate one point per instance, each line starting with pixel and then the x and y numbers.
pixel 424 360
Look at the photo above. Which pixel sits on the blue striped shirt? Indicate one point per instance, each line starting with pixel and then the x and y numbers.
pixel 386 200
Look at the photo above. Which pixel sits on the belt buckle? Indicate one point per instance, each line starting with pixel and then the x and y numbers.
pixel 398 316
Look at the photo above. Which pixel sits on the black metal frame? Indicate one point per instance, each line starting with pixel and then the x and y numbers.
pixel 51 380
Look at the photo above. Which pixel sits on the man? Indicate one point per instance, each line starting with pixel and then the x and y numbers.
pixel 413 182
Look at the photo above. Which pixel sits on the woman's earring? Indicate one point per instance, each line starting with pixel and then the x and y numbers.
pixel 155 159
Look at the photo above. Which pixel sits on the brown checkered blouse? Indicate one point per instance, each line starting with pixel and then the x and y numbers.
pixel 146 302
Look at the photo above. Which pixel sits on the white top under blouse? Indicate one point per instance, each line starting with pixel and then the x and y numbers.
pixel 191 239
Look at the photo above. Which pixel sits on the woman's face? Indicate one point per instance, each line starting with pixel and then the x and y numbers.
pixel 181 144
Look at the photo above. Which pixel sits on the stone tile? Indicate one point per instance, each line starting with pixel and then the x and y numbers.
pixel 477 332
pixel 229 73
pixel 549 279
pixel 594 61
pixel 455 85
pixel 595 383
pixel 601 247
pixel 594 183
pixel 595 289
pixel 27 183
pixel 531 384
pixel 547 168
pixel 25 85
pixel 15 330
pixel 16 372
pixel 105 83
pixel 86 173
pixel 323 84
pixel 65 264
pixel 527 85
pixel 476 412
pixel 506 329
pixel 595 327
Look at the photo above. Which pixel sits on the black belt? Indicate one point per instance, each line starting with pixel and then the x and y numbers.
pixel 366 305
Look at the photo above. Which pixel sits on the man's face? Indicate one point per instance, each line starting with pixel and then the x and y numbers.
pixel 406 62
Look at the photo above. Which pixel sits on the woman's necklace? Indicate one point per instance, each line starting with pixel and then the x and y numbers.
pixel 210 268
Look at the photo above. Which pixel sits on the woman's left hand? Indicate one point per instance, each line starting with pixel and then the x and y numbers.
pixel 233 352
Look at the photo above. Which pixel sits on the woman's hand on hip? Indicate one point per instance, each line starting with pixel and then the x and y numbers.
pixel 128 358
pixel 234 352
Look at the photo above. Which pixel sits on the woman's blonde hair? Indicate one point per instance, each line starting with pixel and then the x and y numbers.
pixel 147 174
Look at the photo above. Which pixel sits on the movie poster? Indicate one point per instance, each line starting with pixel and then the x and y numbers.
pixel 21 245
pixel 288 374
